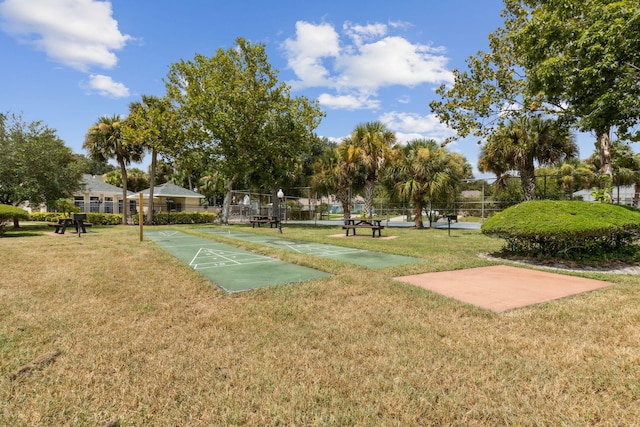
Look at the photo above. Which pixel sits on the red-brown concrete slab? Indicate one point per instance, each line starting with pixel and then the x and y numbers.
pixel 501 288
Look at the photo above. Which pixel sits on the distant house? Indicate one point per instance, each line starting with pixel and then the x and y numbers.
pixel 170 196
pixel 98 196
pixel 623 195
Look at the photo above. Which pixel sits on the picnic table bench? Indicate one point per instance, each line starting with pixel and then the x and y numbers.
pixel 259 220
pixel 77 221
pixel 372 224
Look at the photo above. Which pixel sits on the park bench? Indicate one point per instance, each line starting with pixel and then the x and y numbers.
pixel 259 220
pixel 369 224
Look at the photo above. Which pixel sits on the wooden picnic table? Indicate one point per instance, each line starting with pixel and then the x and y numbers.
pixel 261 219
pixel 373 224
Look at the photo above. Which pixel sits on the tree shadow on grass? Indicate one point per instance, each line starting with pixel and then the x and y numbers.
pixel 20 234
pixel 29 230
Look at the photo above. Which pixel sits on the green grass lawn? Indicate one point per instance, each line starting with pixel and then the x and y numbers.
pixel 106 329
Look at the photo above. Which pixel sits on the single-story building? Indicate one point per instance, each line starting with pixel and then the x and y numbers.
pixel 98 196
pixel 172 197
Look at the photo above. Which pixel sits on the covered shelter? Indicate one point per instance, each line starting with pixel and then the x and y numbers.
pixel 171 197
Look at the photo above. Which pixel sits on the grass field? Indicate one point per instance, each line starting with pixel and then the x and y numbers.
pixel 106 330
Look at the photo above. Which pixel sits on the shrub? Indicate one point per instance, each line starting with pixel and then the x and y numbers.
pixel 44 216
pixel 180 218
pixel 566 229
pixel 104 218
pixel 92 217
pixel 9 213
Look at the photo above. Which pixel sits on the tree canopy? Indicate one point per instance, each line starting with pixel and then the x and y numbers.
pixel 247 121
pixel 35 165
pixel 577 59
pixel 583 57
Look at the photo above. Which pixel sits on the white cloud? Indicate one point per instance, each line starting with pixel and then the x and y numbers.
pixel 105 86
pixel 392 61
pixel 306 52
pixel 77 33
pixel 364 60
pixel 360 33
pixel 348 102
pixel 413 126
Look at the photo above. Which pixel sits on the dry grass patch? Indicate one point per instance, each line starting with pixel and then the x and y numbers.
pixel 145 340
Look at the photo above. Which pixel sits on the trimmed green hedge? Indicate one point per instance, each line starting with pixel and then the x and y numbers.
pixel 93 217
pixel 180 218
pixel 566 229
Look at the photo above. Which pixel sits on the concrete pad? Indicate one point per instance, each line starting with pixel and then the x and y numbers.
pixel 232 269
pixel 501 288
pixel 361 257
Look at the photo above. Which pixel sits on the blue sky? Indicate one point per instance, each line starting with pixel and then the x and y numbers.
pixel 68 62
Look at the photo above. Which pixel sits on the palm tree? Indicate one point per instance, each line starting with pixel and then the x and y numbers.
pixel 103 141
pixel 422 169
pixel 369 146
pixel 152 123
pixel 525 141
pixel 334 174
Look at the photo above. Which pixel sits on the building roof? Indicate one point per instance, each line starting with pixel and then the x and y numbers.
pixel 96 184
pixel 169 190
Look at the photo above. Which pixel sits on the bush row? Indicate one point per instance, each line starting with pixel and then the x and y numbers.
pixel 180 218
pixel 93 217
pixel 567 229
pixel 116 219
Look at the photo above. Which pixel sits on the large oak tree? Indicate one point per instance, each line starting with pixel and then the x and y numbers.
pixel 583 56
pixel 252 128
pixel 35 165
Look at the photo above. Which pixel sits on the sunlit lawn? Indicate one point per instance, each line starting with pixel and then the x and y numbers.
pixel 104 329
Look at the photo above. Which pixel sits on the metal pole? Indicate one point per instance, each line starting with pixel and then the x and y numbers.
pixel 482 204
pixel 280 195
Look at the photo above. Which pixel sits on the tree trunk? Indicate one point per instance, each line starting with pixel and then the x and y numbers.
pixel 152 184
pixel 226 204
pixel 528 182
pixel 369 188
pixel 636 194
pixel 342 195
pixel 123 171
pixel 604 147
pixel 418 214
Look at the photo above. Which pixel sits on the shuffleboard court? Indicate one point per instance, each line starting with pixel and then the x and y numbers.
pixel 351 255
pixel 230 268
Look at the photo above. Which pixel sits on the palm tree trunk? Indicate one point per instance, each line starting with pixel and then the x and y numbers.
pixel 342 195
pixel 528 182
pixel 369 188
pixel 418 213
pixel 123 171
pixel 152 184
